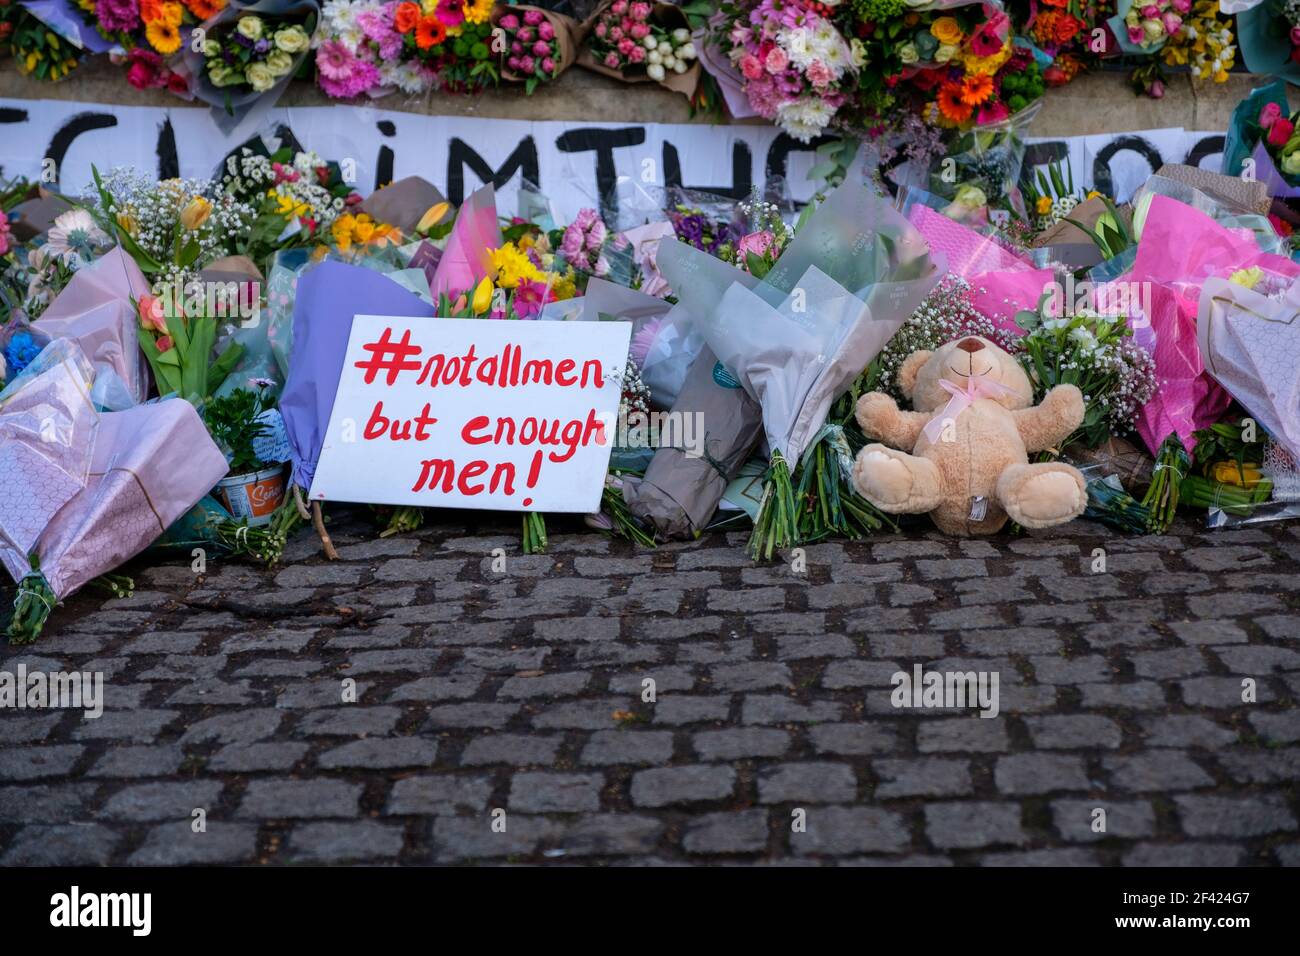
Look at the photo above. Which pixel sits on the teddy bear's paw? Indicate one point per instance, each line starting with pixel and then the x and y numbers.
pixel 1048 498
pixel 883 478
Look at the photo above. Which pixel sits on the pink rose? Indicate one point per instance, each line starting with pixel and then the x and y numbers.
pixel 510 22
pixel 641 11
pixel 1280 131
pixel 1269 114
pixel 513 63
pixel 601 30
pixel 545 30
pixel 1295 36
pixel 750 67
pixel 619 7
pixel 1182 6
pixel 1135 35
pixel 541 48
pixel 616 33
pixel 638 54
pixel 776 60
pixel 758 243
pixel 525 35
pixel 626 46
pixel 533 17
pixel 548 66
pixel 819 74
pixel 526 64
pixel 639 31
pixel 1172 22
pixel 140 75
pixel 1150 12
pixel 516 48
pixel 611 60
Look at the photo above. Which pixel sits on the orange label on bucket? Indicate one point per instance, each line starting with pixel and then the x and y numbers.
pixel 264 496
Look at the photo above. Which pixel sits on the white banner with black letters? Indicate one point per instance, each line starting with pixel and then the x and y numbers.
pixel 574 164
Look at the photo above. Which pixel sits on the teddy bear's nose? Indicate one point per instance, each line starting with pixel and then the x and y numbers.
pixel 970 345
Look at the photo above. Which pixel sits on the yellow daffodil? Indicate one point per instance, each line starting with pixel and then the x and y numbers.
pixel 1249 278
pixel 1043 206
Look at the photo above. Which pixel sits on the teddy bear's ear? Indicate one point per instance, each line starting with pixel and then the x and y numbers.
pixel 910 368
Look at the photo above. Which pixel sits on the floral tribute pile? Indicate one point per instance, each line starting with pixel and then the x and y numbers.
pixel 155 337
pixel 919 69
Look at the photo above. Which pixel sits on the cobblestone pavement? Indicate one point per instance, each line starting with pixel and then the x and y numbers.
pixel 771 738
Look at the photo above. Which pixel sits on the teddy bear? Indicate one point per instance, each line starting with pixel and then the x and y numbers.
pixel 963 454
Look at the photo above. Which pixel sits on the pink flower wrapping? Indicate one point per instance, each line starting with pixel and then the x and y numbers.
pixel 1002 283
pixel 95 310
pixel 1180 249
pixel 151 464
pixel 465 258
pixel 47 431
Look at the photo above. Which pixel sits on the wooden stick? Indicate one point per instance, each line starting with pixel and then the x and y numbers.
pixel 318 522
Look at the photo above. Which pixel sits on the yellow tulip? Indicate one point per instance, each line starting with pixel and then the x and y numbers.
pixel 432 216
pixel 195 213
pixel 482 296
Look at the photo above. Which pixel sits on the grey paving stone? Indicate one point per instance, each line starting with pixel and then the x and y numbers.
pixel 664 786
pixel 742 831
pixel 177 844
pixel 358 841
pixel 289 799
pixel 539 792
pixel 61 845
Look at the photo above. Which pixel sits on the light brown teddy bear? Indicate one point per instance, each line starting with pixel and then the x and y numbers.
pixel 969 439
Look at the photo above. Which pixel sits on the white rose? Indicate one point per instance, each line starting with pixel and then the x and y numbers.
pixel 650 42
pixel 686 52
pixel 654 57
pixel 681 35
pixel 655 71
pixel 260 77
pixel 250 27
pixel 908 54
pixel 292 39
pixel 944 53
pixel 279 62
pixel 680 67
pixel 211 48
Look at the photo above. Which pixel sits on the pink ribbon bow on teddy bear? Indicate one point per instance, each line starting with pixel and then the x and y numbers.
pixel 977 386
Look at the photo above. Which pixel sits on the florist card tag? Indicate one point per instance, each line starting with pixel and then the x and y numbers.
pixel 472 413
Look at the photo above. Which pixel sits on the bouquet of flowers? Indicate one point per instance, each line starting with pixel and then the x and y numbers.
pixel 248 55
pixel 171 228
pixel 297 197
pixel 1097 353
pixel 638 41
pixel 540 44
pixel 1064 30
pixel 449 42
pixel 1270 35
pixel 254 55
pixel 798 69
pixel 37 50
pixel 1205 43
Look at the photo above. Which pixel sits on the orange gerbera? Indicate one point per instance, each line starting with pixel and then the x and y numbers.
pixel 203 9
pixel 150 11
pixel 429 33
pixel 406 17
pixel 951 105
pixel 976 89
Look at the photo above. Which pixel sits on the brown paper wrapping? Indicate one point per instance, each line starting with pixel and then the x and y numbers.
pixel 568 38
pixel 402 203
pixel 666 15
pixel 1246 196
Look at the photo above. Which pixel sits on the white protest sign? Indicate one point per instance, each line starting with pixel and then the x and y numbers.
pixel 474 413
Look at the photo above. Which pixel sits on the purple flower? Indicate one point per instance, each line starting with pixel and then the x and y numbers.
pixel 117 14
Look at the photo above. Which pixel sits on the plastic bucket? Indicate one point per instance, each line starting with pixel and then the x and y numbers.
pixel 254 495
